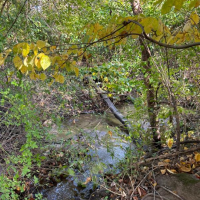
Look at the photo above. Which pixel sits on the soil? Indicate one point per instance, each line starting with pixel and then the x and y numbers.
pixel 176 187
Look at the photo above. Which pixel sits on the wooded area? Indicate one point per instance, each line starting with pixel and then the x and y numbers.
pixel 60 59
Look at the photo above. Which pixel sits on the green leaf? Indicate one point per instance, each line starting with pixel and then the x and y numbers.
pixel 71 172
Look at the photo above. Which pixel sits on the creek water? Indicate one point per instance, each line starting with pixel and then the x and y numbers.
pixel 107 147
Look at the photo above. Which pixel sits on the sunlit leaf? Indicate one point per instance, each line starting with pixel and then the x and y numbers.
pixel 38 59
pixel 25 50
pixel 45 62
pixel 197 157
pixel 172 171
pixel 170 142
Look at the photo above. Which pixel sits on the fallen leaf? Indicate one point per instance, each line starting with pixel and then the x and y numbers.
pixel 167 161
pixel 197 157
pixel 154 184
pixel 87 180
pixel 185 168
pixel 163 171
pixel 161 164
pixel 172 171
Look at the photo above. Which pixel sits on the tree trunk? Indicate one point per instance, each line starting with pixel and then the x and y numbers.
pixel 151 99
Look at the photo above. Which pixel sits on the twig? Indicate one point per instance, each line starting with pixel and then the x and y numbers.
pixel 171 192
pixel 168 155
pixel 16 18
pixel 152 195
pixel 140 184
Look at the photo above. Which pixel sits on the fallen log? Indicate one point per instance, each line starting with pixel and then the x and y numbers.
pixel 113 109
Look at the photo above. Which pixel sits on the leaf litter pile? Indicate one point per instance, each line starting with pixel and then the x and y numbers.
pixel 140 180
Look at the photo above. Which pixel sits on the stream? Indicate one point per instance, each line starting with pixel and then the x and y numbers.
pixel 106 148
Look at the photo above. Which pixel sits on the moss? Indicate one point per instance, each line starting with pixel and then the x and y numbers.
pixel 187 179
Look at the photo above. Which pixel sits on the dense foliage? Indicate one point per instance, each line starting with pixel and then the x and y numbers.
pixel 148 50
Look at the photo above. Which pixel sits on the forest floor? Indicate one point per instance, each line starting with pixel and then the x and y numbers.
pixel 166 175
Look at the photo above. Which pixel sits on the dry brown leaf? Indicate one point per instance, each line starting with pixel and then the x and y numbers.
pixel 142 192
pixel 163 171
pixel 87 180
pixel 167 161
pixel 163 164
pixel 172 171
pixel 185 168
pixel 135 198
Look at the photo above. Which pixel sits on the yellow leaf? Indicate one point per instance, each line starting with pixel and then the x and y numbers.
pixel 166 8
pixel 50 84
pixel 61 79
pixel 197 157
pixel 35 51
pixel 106 79
pixel 167 161
pixel 45 62
pixel 52 48
pixel 194 18
pixel 76 71
pixel 43 76
pixel 17 62
pixel 110 133
pixel 23 69
pixel 41 44
pixel 1 59
pixel 158 37
pixel 194 3
pixel 33 76
pixel 154 184
pixel 25 49
pixel 170 142
pixel 178 4
pixel 38 59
